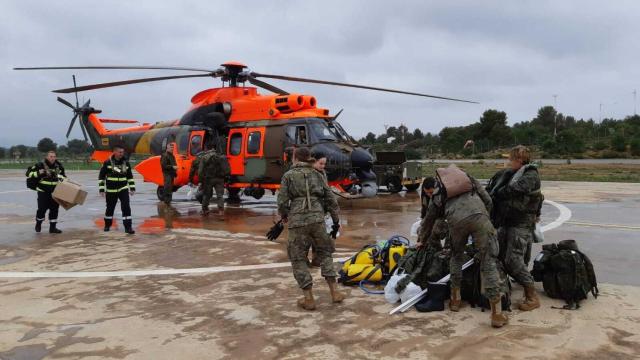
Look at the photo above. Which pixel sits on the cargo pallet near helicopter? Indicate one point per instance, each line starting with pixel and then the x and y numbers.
pixel 257 132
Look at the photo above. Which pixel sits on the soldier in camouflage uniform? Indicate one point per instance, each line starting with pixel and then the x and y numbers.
pixel 319 165
pixel 169 172
pixel 213 169
pixel 519 201
pixel 468 215
pixel 303 199
pixel 440 228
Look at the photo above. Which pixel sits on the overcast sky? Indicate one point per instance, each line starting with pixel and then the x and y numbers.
pixel 508 55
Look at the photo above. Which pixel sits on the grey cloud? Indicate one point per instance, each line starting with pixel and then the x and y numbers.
pixel 508 55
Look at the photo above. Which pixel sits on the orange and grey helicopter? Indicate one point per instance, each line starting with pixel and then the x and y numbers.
pixel 257 132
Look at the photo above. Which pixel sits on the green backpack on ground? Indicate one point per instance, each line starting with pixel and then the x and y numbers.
pixel 566 273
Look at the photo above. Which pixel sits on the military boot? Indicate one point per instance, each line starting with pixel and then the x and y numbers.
pixel 498 319
pixel 38 225
pixel 455 302
pixel 307 302
pixel 128 227
pixel 107 224
pixel 531 300
pixel 336 296
pixel 53 229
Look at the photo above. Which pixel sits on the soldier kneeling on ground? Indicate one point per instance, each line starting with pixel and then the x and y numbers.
pixel 303 199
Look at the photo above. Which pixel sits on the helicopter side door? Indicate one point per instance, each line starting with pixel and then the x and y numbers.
pixel 196 143
pixel 236 151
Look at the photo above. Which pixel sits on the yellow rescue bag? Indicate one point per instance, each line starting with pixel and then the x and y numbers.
pixel 359 272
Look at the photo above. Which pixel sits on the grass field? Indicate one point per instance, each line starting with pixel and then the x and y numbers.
pixel 72 165
pixel 558 172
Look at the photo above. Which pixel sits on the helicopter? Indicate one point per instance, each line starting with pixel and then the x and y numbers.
pixel 256 132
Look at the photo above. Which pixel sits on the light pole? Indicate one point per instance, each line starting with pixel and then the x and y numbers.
pixel 555 117
pixel 634 103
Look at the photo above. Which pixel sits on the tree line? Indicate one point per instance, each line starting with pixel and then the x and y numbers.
pixel 74 148
pixel 550 132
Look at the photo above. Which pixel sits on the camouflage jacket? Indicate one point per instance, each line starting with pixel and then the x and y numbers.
pixel 209 165
pixel 521 199
pixel 167 163
pixel 333 211
pixel 304 196
pixel 456 209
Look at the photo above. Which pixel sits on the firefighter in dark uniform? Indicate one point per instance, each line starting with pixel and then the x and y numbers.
pixel 169 172
pixel 49 173
pixel 115 182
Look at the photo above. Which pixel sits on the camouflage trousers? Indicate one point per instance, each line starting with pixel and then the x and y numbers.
pixel 207 193
pixel 167 189
pixel 479 227
pixel 300 240
pixel 515 246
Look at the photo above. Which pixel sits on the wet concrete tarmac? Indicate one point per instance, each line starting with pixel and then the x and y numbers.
pixel 250 313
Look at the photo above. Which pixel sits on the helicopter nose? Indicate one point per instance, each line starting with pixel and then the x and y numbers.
pixel 362 163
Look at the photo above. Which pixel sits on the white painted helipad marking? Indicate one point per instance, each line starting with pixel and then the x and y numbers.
pixel 29 190
pixel 154 272
pixel 565 215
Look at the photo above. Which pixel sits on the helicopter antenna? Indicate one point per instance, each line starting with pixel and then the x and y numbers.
pixel 336 115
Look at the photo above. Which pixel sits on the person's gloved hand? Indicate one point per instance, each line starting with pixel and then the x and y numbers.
pixel 334 230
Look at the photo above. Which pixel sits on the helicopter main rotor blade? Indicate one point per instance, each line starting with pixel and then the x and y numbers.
pixel 75 86
pixel 128 82
pixel 84 132
pixel 66 102
pixel 108 67
pixel 73 121
pixel 325 82
pixel 266 86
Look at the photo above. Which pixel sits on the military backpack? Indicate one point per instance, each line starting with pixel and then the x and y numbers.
pixel 565 272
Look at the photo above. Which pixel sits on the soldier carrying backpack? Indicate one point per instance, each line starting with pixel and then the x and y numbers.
pixel 566 273
pixel 212 169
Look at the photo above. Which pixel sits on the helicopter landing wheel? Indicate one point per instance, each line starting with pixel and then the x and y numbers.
pixel 160 193
pixel 412 187
pixel 234 196
pixel 394 185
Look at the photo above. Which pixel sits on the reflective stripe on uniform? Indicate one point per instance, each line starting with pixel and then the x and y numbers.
pixel 39 219
pixel 52 221
pixel 117 190
pixel 126 218
pixel 116 179
pixel 44 182
pixel 108 217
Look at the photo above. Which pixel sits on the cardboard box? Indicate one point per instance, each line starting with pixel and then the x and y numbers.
pixel 69 194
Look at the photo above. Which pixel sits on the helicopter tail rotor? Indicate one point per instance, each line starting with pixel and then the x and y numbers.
pixel 78 111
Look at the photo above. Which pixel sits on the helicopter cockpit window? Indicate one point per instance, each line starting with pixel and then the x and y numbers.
pixel 342 132
pixel 253 143
pixel 196 145
pixel 297 134
pixel 322 132
pixel 235 144
pixel 301 135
